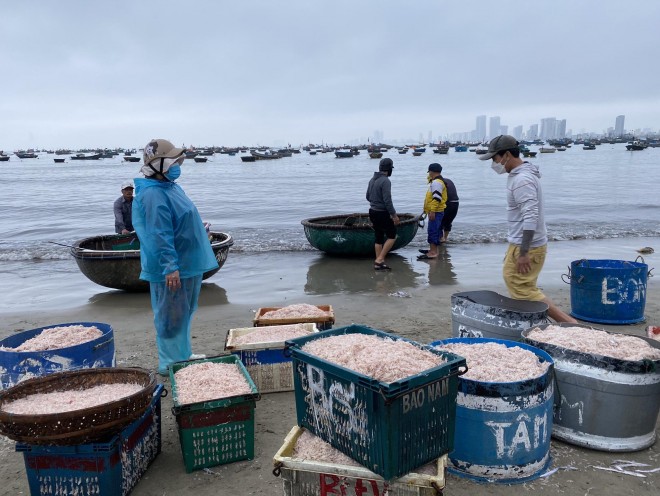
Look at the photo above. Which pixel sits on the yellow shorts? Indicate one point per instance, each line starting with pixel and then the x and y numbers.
pixel 523 286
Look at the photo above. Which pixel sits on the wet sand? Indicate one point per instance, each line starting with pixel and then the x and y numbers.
pixel 412 301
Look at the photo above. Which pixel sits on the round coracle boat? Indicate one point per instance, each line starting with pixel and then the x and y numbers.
pixel 353 234
pixel 113 260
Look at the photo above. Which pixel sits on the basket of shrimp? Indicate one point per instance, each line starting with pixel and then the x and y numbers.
pixel 214 402
pixel 75 407
pixel 321 315
pixel 385 401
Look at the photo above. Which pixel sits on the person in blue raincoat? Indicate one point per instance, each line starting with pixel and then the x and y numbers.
pixel 174 250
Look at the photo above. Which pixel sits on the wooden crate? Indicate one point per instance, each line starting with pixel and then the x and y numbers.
pixel 323 323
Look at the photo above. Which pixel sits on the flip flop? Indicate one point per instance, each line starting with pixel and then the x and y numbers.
pixel 381 266
pixel 422 250
pixel 425 257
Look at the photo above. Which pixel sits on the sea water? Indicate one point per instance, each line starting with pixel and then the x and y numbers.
pixel 601 194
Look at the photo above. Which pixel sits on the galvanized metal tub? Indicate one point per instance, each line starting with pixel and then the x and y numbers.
pixel 604 403
pixel 503 429
pixel 608 291
pixel 487 314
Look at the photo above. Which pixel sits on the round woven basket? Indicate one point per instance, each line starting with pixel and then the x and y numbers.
pixel 79 426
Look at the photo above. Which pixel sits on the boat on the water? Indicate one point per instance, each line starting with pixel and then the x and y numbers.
pixel 460 148
pixel 376 154
pixel 528 154
pixel 266 155
pixel 26 155
pixel 417 153
pixel 201 159
pixel 545 149
pixel 131 158
pixel 113 260
pixel 442 150
pixel 589 147
pixel 636 146
pixel 82 156
pixel 353 234
pixel 344 154
pixel 4 158
pixel 59 160
pixel 248 158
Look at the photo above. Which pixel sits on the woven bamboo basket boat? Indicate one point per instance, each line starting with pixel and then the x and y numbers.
pixel 353 234
pixel 113 260
pixel 78 426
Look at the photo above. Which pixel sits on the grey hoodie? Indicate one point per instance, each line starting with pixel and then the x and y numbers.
pixel 379 193
pixel 525 205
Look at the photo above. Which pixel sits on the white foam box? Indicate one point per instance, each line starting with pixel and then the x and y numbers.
pixel 266 363
pixel 317 478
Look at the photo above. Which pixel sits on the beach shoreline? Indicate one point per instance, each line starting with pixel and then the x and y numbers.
pixel 410 301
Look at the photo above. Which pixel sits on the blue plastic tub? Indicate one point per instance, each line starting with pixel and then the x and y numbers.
pixel 111 468
pixel 503 429
pixel 608 291
pixel 18 366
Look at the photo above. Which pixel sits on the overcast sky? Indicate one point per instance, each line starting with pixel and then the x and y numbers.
pixel 82 73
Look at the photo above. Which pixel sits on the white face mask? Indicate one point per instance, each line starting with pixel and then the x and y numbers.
pixel 499 168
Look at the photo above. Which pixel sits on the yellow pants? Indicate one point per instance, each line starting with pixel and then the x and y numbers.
pixel 523 286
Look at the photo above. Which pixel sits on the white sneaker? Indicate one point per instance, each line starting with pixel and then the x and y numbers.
pixel 196 357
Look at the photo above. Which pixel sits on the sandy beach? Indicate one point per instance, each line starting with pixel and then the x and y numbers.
pixel 412 301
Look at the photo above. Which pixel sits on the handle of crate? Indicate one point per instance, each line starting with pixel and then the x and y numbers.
pixel 104 343
pixel 460 370
pixel 276 470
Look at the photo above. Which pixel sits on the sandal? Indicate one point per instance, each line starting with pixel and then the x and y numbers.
pixel 426 257
pixel 381 266
pixel 422 250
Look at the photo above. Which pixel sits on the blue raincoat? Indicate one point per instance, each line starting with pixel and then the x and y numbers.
pixel 172 237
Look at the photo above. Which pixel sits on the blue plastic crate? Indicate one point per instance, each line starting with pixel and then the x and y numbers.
pixel 266 362
pixel 112 468
pixel 390 428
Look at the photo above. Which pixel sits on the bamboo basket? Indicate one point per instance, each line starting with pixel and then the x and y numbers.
pixel 78 426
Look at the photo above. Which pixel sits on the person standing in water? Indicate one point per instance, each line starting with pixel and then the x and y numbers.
pixel 382 214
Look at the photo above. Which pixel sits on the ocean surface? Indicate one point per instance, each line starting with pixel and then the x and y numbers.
pixel 602 194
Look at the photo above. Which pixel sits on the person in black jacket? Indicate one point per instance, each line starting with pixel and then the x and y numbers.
pixel 382 213
pixel 451 209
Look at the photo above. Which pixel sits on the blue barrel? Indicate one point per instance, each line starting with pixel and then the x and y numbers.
pixel 18 366
pixel 503 429
pixel 608 291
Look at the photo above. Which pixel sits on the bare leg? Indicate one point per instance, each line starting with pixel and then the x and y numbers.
pixel 380 257
pixel 378 248
pixel 557 314
pixel 433 251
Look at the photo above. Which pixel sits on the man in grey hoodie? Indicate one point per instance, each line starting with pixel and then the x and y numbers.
pixel 527 233
pixel 381 212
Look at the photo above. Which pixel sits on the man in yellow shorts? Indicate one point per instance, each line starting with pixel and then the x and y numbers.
pixel 527 233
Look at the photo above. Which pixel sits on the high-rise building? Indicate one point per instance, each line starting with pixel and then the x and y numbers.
pixel 494 129
pixel 517 132
pixel 533 132
pixel 618 126
pixel 481 128
pixel 548 128
pixel 560 130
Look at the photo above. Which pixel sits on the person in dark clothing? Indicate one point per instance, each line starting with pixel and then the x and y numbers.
pixel 123 209
pixel 382 213
pixel 451 209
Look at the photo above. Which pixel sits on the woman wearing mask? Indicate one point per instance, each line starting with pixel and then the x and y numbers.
pixel 174 250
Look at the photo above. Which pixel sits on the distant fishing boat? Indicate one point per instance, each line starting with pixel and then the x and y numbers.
pixel 200 159
pixel 460 148
pixel 26 155
pixel 59 160
pixel 344 154
pixel 130 158
pixel 636 146
pixel 442 150
pixel 82 156
pixel 266 155
pixel 248 158
pixel 4 158
pixel 545 149
pixel 416 153
pixel 589 146
pixel 376 154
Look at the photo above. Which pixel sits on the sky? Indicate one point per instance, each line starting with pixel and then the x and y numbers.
pixel 80 73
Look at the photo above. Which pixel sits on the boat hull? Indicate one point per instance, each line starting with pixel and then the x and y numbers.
pixel 353 235
pixel 109 260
